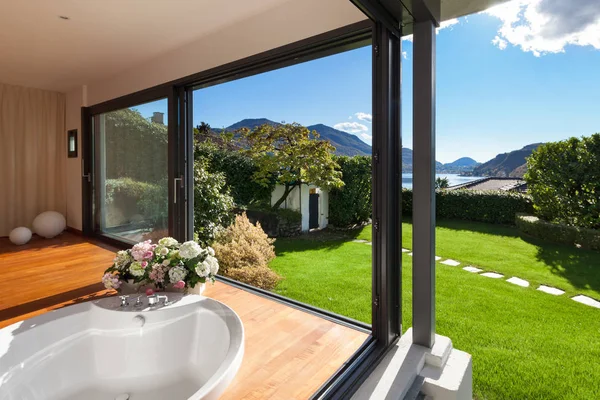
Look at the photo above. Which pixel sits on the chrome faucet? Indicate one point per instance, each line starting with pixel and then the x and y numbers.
pixel 154 299
pixel 124 301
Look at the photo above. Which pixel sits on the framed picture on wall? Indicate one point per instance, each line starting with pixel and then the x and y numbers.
pixel 72 143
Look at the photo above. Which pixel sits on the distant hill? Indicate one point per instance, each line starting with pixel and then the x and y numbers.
pixel 345 144
pixel 462 165
pixel 511 164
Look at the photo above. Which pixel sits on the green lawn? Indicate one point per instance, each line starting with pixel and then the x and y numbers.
pixel 499 248
pixel 525 344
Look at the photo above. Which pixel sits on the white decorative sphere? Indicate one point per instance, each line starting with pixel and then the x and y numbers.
pixel 49 224
pixel 20 235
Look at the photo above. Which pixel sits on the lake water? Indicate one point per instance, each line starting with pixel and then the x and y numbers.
pixel 454 179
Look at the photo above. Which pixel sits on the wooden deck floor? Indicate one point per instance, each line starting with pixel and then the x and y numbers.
pixel 289 353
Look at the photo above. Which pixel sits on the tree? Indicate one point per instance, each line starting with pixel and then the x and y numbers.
pixel 563 179
pixel 442 183
pixel 292 155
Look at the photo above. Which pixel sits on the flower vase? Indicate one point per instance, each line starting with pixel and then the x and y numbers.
pixel 198 289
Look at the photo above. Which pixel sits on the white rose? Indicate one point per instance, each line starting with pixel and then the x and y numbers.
pixel 211 251
pixel 166 263
pixel 203 269
pixel 162 251
pixel 168 242
pixel 190 249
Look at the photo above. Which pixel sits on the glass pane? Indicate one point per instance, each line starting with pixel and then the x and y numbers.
pixel 291 149
pixel 132 171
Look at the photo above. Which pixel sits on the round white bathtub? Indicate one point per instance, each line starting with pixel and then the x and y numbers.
pixel 98 350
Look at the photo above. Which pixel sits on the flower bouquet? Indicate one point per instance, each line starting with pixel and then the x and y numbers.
pixel 168 265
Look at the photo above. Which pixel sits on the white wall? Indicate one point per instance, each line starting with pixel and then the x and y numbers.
pixel 291 22
pixel 299 200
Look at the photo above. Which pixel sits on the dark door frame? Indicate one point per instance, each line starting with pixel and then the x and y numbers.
pixel 383 31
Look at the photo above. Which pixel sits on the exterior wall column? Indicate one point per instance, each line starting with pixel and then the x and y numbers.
pixel 427 15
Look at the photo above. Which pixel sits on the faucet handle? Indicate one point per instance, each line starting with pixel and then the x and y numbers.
pixel 138 302
pixel 124 300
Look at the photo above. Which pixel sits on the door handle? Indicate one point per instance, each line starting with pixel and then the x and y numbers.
pixel 180 179
pixel 87 176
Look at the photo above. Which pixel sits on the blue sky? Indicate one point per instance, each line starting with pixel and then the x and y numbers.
pixel 497 91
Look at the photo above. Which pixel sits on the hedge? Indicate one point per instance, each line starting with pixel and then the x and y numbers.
pixel 558 233
pixel 493 207
pixel 352 204
pixel 239 170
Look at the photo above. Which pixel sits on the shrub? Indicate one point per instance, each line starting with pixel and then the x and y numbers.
pixel 244 251
pixel 212 203
pixel 352 204
pixel 150 199
pixel 564 181
pixel 276 223
pixel 474 205
pixel 239 170
pixel 558 233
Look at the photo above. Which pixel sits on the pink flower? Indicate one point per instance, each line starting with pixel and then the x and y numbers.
pixel 142 251
pixel 149 292
pixel 144 264
pixel 179 285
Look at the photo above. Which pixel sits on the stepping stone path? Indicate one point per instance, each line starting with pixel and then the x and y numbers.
pixel 492 275
pixel 451 263
pixel 588 301
pixel 518 281
pixel 550 290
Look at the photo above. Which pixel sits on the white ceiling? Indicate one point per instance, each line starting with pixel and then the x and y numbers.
pixel 103 37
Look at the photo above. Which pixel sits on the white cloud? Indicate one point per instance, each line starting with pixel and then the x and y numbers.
pixel 366 138
pixel 404 55
pixel 443 25
pixel 364 116
pixel 547 26
pixel 350 117
pixel 499 42
pixel 351 127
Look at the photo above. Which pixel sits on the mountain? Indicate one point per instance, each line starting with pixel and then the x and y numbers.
pixel 345 144
pixel 511 164
pixel 462 165
pixel 464 162
pixel 250 123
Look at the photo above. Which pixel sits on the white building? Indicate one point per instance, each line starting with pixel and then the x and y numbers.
pixel 310 201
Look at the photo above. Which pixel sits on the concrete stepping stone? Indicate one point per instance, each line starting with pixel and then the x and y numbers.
pixel 518 281
pixel 550 290
pixel 492 275
pixel 405 250
pixel 472 269
pixel 410 254
pixel 588 301
pixel 438 258
pixel 360 241
pixel 451 263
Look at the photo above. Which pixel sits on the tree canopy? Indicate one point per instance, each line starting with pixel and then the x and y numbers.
pixel 563 179
pixel 292 155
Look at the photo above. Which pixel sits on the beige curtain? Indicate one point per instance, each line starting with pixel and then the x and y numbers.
pixel 32 155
